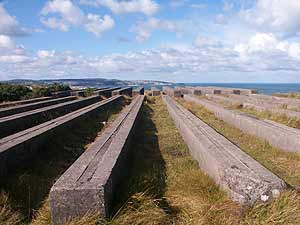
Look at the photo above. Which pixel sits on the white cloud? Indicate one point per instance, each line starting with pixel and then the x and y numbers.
pixel 71 15
pixel 97 26
pixel 144 29
pixel 45 54
pixel 221 19
pixel 147 7
pixel 279 16
pixel 9 25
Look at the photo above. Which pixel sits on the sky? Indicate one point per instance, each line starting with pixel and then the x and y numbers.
pixel 181 40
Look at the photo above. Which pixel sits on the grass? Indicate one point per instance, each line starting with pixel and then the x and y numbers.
pixel 165 185
pixel 24 192
pixel 279 118
pixel 288 95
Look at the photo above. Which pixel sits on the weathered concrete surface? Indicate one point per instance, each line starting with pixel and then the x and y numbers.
pixel 241 176
pixel 15 123
pixel 23 102
pixel 289 103
pixel 107 92
pixel 224 100
pixel 36 105
pixel 21 146
pixel 123 91
pixel 155 91
pixel 278 135
pixel 60 94
pixel 79 93
pixel 172 92
pixel 138 91
pixel 91 182
pixel 273 110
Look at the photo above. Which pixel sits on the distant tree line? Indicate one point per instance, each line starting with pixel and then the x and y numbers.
pixel 15 92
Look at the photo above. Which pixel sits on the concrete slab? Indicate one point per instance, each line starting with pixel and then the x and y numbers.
pixel 36 105
pixel 21 146
pixel 242 177
pixel 91 182
pixel 15 123
pixel 23 102
pixel 278 135
pixel 138 91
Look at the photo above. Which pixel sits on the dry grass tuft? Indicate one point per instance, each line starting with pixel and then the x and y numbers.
pixel 7 215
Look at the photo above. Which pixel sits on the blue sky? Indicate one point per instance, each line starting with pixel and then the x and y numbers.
pixel 179 40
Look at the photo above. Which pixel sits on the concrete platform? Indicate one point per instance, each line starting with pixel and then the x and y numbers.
pixel 21 146
pixel 138 91
pixel 278 135
pixel 123 91
pixel 242 177
pixel 91 182
pixel 23 102
pixel 15 123
pixel 106 92
pixel 36 105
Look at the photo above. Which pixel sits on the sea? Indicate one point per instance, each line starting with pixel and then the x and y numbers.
pixel 264 88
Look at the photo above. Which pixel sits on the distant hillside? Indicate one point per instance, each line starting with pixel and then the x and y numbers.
pixel 93 82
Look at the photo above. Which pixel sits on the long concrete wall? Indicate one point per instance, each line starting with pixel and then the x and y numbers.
pixel 290 103
pixel 21 146
pixel 91 182
pixel 23 108
pixel 123 91
pixel 224 100
pixel 138 91
pixel 15 123
pixel 107 92
pixel 245 180
pixel 23 102
pixel 278 135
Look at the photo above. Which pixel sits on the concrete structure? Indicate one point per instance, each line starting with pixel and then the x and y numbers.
pixel 15 123
pixel 172 92
pixel 155 91
pixel 123 91
pixel 21 146
pixel 60 94
pixel 278 135
pixel 80 93
pixel 224 100
pixel 107 92
pixel 23 102
pixel 289 103
pixel 138 91
pixel 36 105
pixel 273 110
pixel 91 182
pixel 209 90
pixel 245 180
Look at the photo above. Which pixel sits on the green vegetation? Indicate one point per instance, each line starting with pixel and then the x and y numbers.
pixel 89 92
pixel 10 92
pixel 14 92
pixel 288 95
pixel 280 118
pixel 24 193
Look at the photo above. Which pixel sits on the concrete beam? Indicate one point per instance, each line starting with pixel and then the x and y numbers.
pixel 138 91
pixel 15 123
pixel 21 146
pixel 278 135
pixel 23 102
pixel 91 182
pixel 107 92
pixel 242 177
pixel 36 105
pixel 155 91
pixel 123 91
